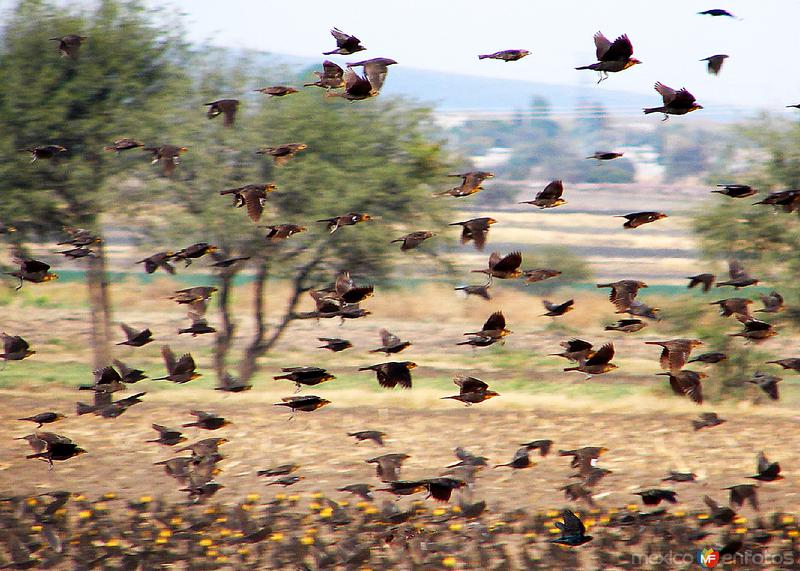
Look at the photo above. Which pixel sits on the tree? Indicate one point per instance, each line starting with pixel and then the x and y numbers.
pixel 127 69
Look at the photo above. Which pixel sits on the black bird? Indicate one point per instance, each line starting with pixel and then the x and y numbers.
pixel 375 435
pixel 375 70
pixel 388 466
pixel 655 496
pixel 742 493
pixel 331 76
pixel 631 325
pixel 543 446
pixel 363 491
pixel 766 471
pixel 715 63
pixel 612 56
pixel 167 436
pixel 605 156
pixel 390 343
pixel 706 280
pixel 520 460
pixel 334 344
pixel 158 260
pixel 478 290
pixel 308 376
pixel 58 448
pixel 557 309
pixel 207 420
pixel 15 348
pixel 736 190
pixel 345 44
pixel 282 470
pixel 506 55
pixel 716 12
pixel 69 45
pixel 573 532
pixel 720 515
pixel 225 107
pixel 308 403
pixel 707 420
pixel 767 383
pixel 44 418
pixel 392 373
pixel 136 337
pixel 709 358
pixel 230 384
pixel 679 477
pixel 129 375
pixel 678 102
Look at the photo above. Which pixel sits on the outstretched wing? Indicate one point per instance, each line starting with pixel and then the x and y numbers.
pixel 603 355
pixel 667 93
pixel 621 49
pixel 496 322
pixel 602 44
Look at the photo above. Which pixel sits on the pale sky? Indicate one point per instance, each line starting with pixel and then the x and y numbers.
pixel 669 37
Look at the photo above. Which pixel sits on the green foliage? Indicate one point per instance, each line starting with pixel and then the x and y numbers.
pixel 573 268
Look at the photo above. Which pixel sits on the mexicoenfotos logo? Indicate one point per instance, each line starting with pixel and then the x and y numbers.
pixel 708 557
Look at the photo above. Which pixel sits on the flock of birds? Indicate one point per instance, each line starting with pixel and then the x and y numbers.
pixel 29 518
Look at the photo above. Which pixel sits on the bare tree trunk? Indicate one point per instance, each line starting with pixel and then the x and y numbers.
pixel 100 308
pixel 224 336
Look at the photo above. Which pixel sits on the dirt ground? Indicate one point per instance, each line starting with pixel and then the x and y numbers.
pixel 643 444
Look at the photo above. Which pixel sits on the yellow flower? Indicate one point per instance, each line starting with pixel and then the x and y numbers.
pixel 113 542
pixel 679 513
pixel 212 552
pixel 146 499
pixel 32 501
pixel 740 530
pixel 455 509
pixel 221 558
pixel 176 521
pixel 224 532
pixel 326 512
pixel 702 516
pixel 793 533
pixel 205 542
pixel 253 497
pixel 85 514
pixel 243 551
pixel 439 511
pixel 605 519
pixel 740 519
pixel 165 533
pixel 449 561
pixel 554 530
pixel 101 507
pixel 109 495
pixel 161 540
pixel 316 495
pixel 632 507
pixel 787 519
pixel 293 497
pixel 315 505
pixel 221 519
pixel 456 527
pixel 306 540
pixel 277 536
pixel 36 528
pixel 280 497
pixel 371 510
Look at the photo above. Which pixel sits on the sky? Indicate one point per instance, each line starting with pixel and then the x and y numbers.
pixel 669 38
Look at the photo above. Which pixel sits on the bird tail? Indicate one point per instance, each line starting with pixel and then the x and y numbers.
pixel 83 408
pixel 571 369
pixel 365 369
pixel 484 56
pixel 648 110
pixel 287 377
pixel 585 67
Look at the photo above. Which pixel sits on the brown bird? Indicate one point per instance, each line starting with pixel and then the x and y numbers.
pixel 70 45
pixel 706 280
pixel 687 383
pixel 78 253
pixel 598 363
pixel 791 364
pixel 158 260
pixel 230 384
pixel 375 70
pixel 520 461
pixel 766 471
pixel 331 76
pixel 356 87
pixel 720 515
pixel 106 380
pixel 223 261
pixel 388 466
pixel 584 457
pixel 738 306
pixel 282 470
pixel 605 156
pixel 194 252
pixel 15 348
pixel 736 190
pixel 742 493
pixel 128 374
pixel 207 420
pixel 789 200
pixel 471 390
pixel 550 197
pixel 637 219
pixel 58 448
pixel 44 418
pixel 414 239
pixel 225 107
pixel 627 325
pixel 612 57
pixel 282 153
pixel 334 344
pixel 167 436
pixel 345 44
pixel 640 309
pixel 715 63
pixel 773 303
pixel 374 435
pixel 306 403
pixel 739 277
pixel 475 229
pixel 277 90
pixel 575 350
pixel 283 231
pixel 506 55
pixel 348 292
pixel 674 476
pixel 392 373
pixel 557 309
pixel 308 376
pixel 767 383
pixel 180 370
pixel 194 296
pixel 755 330
pixel 540 274
pixel 709 358
pixel 471 182
pixel 503 267
pixel 32 271
pixel 390 343
pixel 135 337
pixel 253 196
pixel 623 293
pixel 124 144
pixel 655 496
pixel 707 420
pixel 168 156
pixel 44 152
pixel 349 219
pixel 576 492
pixel 543 446
pixel 675 352
pixel 493 329
pixel 477 290
pixel 678 102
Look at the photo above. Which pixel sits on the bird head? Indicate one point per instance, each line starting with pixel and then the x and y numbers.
pixel 702 375
pixel 79 451
pixel 524 52
pixel 60 416
pixel 301 146
pixel 50 277
pixel 323 402
pixel 29 352
pixel 695 107
pixel 695 343
pixel 632 62
pixel 410 365
pixel 489 394
pixel 182 149
pixel 491 221
pixel 195 375
pixel 365 216
pixel 269 187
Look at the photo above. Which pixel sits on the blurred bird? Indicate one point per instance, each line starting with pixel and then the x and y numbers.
pixel 390 343
pixel 706 280
pixel 225 107
pixel 282 154
pixel 32 271
pixel 742 493
pixel 637 219
pixel 207 420
pixel 168 156
pixel 709 358
pixel 348 292
pixel 194 252
pixel 773 303
pixel 475 229
pixel 766 471
pixel 738 306
pixel 715 63
pixel 736 190
pixel 167 436
pixel 575 350
pixel 222 261
pixel 707 420
pixel 349 219
pixel 70 45
pixel 282 470
pixel 494 328
pixel 253 196
pixel 679 477
pixel 576 493
pixel 584 457
pixel 506 55
pixel 335 345
pixel 739 277
pixel 392 373
pixel 78 253
pixel 44 152
pixel 230 384
pixel 277 90
pixel 363 491
pixel 612 56
pixel 345 44
pixel 557 309
pixel 331 76
pixel 573 532
pixel 626 325
pixel 375 436
pixel 283 231
pixel 356 87
pixel 158 260
pixel 308 376
pixel 307 403
pixel 477 290
pixel 716 12
pixel 503 267
pixel 605 156
pixel 623 293
pixel 43 418
pixel 767 383
pixel 375 70
pixel 58 448
pixel 388 466
pixel 675 352
pixel 640 309
pixel 655 496
pixel 791 364
pixel 286 481
pixel 538 275
pixel 179 370
pixel 678 102
pixel 687 383
pixel 124 144
pixel 135 337
pixel 720 515
pixel 755 330
pixel 128 374
pixel 15 348
pixel 520 461
pixel 414 239
pixel 550 197
pixel 598 363
pixel 788 200
pixel 471 390
pixel 543 446
pixel 466 458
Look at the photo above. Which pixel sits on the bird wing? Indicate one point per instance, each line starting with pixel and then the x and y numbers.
pixel 344 283
pixel 736 270
pixel 496 322
pixel 572 524
pixel 33 266
pixel 508 263
pixel 621 49
pixel 331 70
pixel 388 339
pixel 130 332
pixel 574 345
pixel 667 93
pixel 602 44
pixel 602 356
pixel 470 384
pixel 552 191
pixel 494 259
pixel 254 201
pixel 763 463
pixel 376 74
pixel 169 358
pixel 682 98
pixel 342 38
